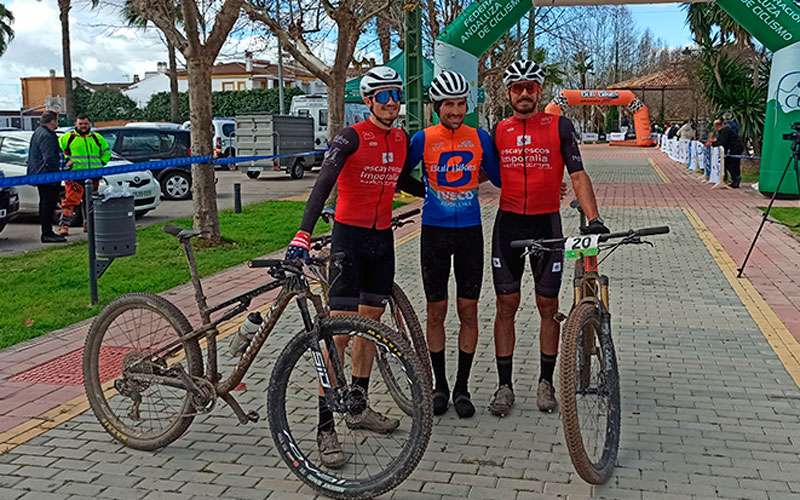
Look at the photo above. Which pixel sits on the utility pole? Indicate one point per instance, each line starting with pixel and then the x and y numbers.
pixel 280 61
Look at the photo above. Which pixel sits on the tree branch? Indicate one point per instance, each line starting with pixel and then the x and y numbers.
pixel 228 14
pixel 156 12
pixel 295 45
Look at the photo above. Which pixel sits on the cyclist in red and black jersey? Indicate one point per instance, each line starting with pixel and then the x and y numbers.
pixel 367 162
pixel 533 148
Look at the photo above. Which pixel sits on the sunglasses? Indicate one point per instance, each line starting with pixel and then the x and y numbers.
pixel 383 96
pixel 531 87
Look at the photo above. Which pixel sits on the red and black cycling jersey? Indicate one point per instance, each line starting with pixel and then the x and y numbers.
pixel 367 162
pixel 533 153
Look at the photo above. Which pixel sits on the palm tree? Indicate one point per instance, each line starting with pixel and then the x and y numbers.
pixel 64 7
pixel 135 19
pixel 702 18
pixel 6 31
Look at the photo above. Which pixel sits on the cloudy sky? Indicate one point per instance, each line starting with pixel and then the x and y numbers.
pixel 104 51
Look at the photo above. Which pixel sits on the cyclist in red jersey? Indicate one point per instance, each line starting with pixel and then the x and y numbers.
pixel 367 162
pixel 533 147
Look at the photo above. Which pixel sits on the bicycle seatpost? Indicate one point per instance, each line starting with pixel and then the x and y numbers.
pixel 199 296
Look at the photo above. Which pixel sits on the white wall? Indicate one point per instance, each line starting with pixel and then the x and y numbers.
pixel 141 92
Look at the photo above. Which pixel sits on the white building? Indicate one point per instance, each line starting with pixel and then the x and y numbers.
pixel 229 76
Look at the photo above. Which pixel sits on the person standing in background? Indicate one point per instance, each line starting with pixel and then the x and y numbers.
pixel 44 156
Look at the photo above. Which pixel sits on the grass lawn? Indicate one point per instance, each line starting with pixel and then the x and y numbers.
pixel 48 289
pixel 787 215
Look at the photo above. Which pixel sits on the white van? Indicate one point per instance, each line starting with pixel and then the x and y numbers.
pixel 316 106
pixel 224 135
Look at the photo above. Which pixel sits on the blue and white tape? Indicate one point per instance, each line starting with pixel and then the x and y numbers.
pixel 80 175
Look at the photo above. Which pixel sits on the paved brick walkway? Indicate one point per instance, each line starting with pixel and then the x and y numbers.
pixel 709 408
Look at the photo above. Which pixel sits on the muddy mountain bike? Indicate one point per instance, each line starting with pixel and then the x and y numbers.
pixel 401 317
pixel 146 379
pixel 588 373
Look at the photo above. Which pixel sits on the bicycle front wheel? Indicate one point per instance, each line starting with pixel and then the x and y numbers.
pixel 405 321
pixel 589 394
pixel 125 383
pixel 372 463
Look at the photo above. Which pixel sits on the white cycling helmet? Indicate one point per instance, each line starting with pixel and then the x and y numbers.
pixel 379 77
pixel 523 71
pixel 449 85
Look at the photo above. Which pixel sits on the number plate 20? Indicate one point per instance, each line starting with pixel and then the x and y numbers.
pixel 582 246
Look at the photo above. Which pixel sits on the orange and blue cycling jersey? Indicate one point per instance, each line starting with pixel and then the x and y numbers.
pixel 452 161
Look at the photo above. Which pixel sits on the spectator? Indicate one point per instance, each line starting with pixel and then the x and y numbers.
pixel 730 141
pixel 687 131
pixel 83 150
pixel 672 131
pixel 44 156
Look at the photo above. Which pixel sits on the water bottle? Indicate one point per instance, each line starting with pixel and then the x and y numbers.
pixel 245 335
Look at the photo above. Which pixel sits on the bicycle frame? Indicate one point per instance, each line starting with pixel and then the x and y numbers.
pixel 292 287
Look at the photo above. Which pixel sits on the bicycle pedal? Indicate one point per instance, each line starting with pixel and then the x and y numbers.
pixel 252 416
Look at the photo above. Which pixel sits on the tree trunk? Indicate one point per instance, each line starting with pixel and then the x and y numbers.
pixel 204 190
pixel 174 104
pixel 385 38
pixel 64 7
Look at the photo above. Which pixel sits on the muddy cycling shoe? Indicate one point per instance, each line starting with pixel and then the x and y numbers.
pixel 330 450
pixel 463 404
pixel 371 420
pixel 502 401
pixel 546 397
pixel 441 401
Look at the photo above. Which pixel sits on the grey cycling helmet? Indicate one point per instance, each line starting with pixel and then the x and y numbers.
pixel 379 77
pixel 449 85
pixel 523 71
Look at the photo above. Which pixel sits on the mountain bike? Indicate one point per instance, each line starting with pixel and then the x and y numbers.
pixel 401 317
pixel 145 378
pixel 588 373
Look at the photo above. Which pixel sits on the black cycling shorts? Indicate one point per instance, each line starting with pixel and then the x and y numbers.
pixel 463 246
pixel 507 262
pixel 366 273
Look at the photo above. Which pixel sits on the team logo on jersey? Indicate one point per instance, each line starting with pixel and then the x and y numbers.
pixel 373 144
pixel 453 170
pixel 523 140
pixel 437 146
pixel 546 119
pixel 369 135
pixel 466 144
pixel 388 157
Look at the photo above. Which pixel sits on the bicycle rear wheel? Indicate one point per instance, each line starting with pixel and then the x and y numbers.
pixel 589 394
pixel 118 372
pixel 374 463
pixel 405 321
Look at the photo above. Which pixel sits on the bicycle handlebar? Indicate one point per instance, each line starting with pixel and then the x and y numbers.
pixel 648 231
pixel 173 230
pixel 406 215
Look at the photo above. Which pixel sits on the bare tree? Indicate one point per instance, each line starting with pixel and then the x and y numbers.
pixel 200 48
pixel 349 17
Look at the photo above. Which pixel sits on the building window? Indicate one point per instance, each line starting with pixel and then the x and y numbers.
pixel 227 86
pixel 241 85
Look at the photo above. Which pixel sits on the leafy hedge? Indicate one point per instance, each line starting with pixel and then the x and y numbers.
pixel 104 105
pixel 229 103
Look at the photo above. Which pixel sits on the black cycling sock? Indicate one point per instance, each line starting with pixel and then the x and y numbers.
pixel 439 371
pixel 325 423
pixel 504 366
pixel 548 365
pixel 462 375
pixel 362 382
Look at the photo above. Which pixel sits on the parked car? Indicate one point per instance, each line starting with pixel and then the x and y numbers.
pixel 9 204
pixel 141 144
pixel 14 154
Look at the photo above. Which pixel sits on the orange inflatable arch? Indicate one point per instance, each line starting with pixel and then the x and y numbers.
pixel 641 117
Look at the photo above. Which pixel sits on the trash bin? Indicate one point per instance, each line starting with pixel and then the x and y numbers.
pixel 114 225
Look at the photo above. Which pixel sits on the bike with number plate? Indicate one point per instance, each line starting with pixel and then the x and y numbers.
pixel 588 374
